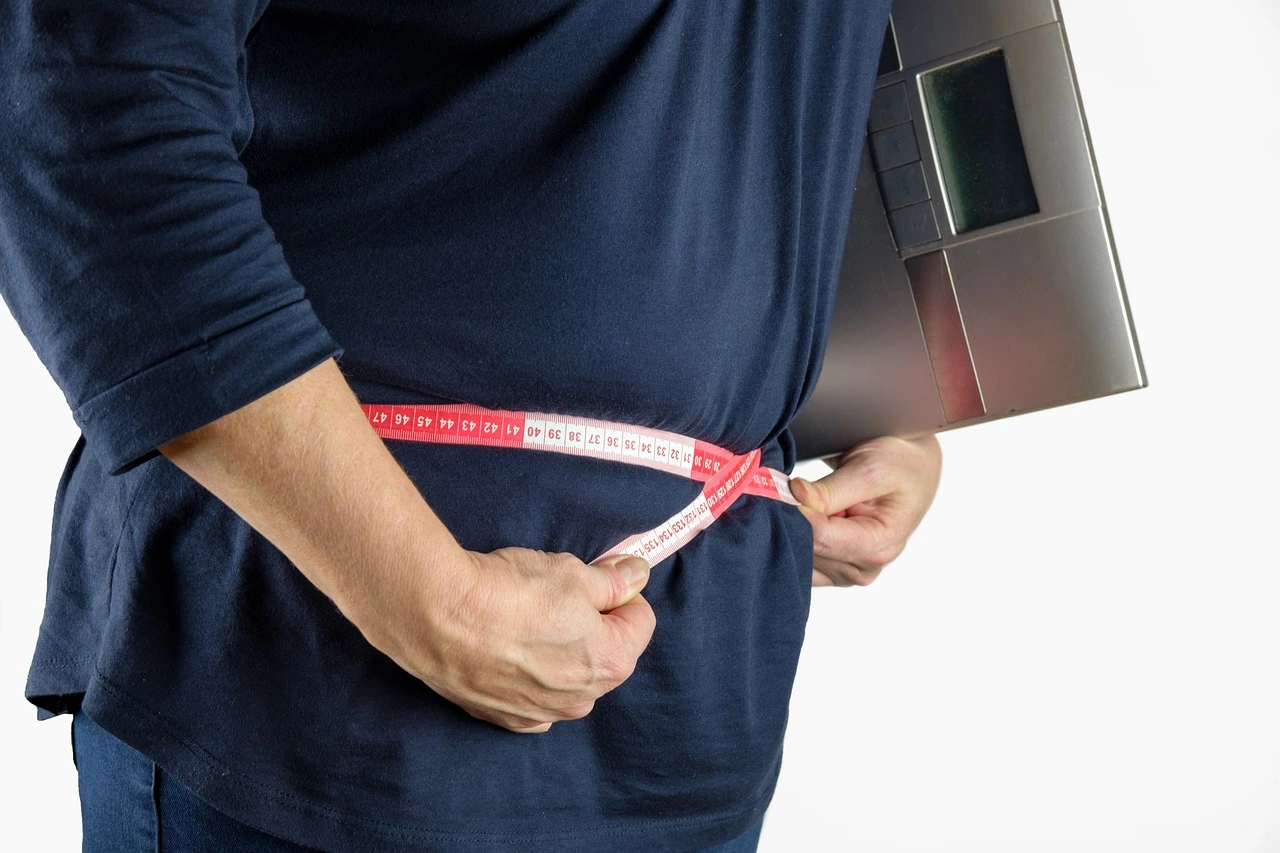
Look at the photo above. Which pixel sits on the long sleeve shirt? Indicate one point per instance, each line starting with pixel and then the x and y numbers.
pixel 629 211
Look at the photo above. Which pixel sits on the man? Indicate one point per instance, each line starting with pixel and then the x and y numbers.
pixel 278 630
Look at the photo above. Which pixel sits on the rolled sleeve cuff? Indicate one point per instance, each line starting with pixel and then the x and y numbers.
pixel 125 424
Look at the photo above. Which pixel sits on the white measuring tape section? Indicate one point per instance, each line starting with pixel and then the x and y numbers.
pixel 725 475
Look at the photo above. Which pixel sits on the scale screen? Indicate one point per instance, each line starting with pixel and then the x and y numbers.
pixel 979 145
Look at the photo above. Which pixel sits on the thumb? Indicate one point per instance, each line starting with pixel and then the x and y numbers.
pixel 814 496
pixel 614 581
pixel 847 486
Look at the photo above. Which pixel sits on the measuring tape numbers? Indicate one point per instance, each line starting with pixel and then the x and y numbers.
pixel 725 476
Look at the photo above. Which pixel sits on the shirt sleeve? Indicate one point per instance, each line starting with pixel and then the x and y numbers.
pixel 133 252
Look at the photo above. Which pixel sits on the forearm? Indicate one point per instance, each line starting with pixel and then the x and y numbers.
pixel 302 466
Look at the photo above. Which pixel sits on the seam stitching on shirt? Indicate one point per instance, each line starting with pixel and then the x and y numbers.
pixel 202 345
pixel 63 663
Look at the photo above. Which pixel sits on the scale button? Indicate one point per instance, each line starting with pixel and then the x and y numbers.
pixel 914 225
pixel 894 147
pixel 903 186
pixel 889 107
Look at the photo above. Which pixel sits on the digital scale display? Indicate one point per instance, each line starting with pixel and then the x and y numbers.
pixel 984 167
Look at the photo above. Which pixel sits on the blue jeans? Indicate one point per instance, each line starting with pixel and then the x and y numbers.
pixel 129 805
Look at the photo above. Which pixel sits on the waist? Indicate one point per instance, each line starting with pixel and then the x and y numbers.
pixel 726 477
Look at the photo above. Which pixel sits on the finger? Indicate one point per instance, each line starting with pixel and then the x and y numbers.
pixel 509 721
pixel 614 581
pixel 626 634
pixel 820 579
pixel 844 573
pixel 863 539
pixel 858 479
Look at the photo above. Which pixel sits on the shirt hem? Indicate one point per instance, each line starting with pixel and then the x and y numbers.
pixel 258 805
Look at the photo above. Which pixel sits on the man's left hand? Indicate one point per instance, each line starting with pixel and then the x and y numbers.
pixel 864 511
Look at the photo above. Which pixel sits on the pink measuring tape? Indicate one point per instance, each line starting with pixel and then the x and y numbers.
pixel 726 475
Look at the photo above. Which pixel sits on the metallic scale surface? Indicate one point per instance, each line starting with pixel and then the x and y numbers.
pixel 980 277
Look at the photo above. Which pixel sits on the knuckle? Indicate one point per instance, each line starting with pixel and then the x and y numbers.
pixel 510 722
pixel 821 539
pixel 873 563
pixel 604 669
pixel 618 588
pixel 891 442
pixel 872 471
pixel 887 444
pixel 888 554
pixel 827 544
pixel 584 677
pixel 577 680
pixel 600 673
pixel 524 720
pixel 845 576
pixel 865 578
pixel 566 562
pixel 617 668
pixel 578 711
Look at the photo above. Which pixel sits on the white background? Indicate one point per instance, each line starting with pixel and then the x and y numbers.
pixel 1080 648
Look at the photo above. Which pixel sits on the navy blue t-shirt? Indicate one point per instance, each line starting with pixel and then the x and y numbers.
pixel 633 211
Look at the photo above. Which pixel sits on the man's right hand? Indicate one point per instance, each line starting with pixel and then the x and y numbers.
pixel 518 637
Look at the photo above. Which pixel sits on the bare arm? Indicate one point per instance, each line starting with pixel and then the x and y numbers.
pixel 303 467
